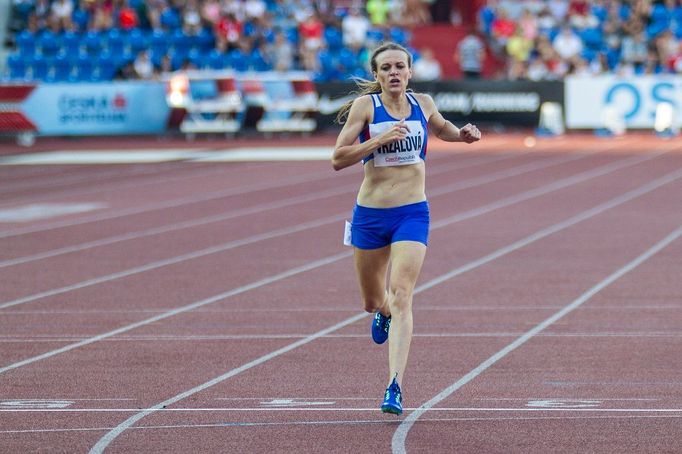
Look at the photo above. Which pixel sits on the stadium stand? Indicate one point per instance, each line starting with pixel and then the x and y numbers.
pixel 92 40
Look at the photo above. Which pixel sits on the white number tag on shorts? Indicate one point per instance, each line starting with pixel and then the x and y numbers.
pixel 347 234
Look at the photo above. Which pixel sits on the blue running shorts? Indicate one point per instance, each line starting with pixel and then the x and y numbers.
pixel 373 228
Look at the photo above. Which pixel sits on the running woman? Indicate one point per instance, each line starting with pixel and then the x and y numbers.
pixel 391 217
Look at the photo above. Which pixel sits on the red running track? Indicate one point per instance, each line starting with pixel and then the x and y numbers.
pixel 213 308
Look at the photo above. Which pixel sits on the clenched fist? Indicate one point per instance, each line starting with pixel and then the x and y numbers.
pixel 469 133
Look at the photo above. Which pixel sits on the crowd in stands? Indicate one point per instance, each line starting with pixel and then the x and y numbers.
pixel 547 40
pixel 80 40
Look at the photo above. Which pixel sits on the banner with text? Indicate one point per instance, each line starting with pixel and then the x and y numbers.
pixel 98 108
pixel 632 99
pixel 513 103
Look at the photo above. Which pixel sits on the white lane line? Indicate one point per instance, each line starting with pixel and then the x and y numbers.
pixel 269 235
pixel 372 409
pixel 106 187
pixel 652 185
pixel 13 339
pixel 538 235
pixel 254 209
pixel 277 277
pixel 224 425
pixel 203 197
pixel 173 203
pixel 400 435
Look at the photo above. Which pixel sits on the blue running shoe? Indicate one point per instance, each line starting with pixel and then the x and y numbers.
pixel 393 399
pixel 380 326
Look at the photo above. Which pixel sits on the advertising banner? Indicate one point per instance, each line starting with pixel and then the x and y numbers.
pixel 513 103
pixel 632 99
pixel 98 108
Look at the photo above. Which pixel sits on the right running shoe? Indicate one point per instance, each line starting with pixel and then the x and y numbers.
pixel 380 326
pixel 393 399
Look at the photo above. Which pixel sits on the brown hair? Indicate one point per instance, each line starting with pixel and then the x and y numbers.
pixel 366 87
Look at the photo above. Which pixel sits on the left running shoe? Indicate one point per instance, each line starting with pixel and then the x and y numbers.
pixel 380 326
pixel 393 399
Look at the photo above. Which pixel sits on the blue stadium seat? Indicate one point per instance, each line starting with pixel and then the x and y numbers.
pixel 333 37
pixel 374 36
pixel 105 66
pixel 398 35
pixel 214 59
pixel 92 42
pixel 48 43
pixel 206 39
pixel 327 61
pixel 62 67
pixel 39 67
pixel 17 66
pixel 70 43
pixel 592 38
pixel 81 19
pixel 236 59
pixel 292 35
pixel 659 13
pixel 159 42
pixel 85 67
pixel 26 42
pixel 257 62
pixel 348 60
pixel 180 42
pixel 135 40
pixel 170 19
pixel 115 41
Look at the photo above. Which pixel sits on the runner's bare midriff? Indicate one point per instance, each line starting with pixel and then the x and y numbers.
pixel 385 187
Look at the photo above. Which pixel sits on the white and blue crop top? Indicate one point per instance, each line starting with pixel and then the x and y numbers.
pixel 408 151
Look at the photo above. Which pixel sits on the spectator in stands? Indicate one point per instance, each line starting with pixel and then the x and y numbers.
pixel 144 68
pixel 228 31
pixel 558 9
pixel 281 53
pixel 191 18
pixel 210 13
pixel 528 23
pixel 60 14
pixel 666 47
pixel 310 32
pixel 354 27
pixel 426 67
pixel 519 46
pixel 470 55
pixel 378 12
pixel 580 14
pixel 501 30
pixel 127 17
pixel 567 43
pixel 416 12
pixel 634 50
pixel 537 70
pixel 254 9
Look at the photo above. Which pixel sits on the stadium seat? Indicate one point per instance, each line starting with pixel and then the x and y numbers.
pixel 237 60
pixel 180 42
pixel 398 35
pixel 92 42
pixel 17 66
pixel 257 62
pixel 374 36
pixel 170 19
pixel 105 66
pixel 84 67
pixel 135 40
pixel 592 38
pixel 62 67
pixel 48 43
pixel 159 42
pixel 115 41
pixel 39 67
pixel 26 43
pixel 334 38
pixel 70 43
pixel 206 39
pixel 214 60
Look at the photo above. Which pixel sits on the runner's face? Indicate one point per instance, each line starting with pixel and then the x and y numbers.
pixel 393 71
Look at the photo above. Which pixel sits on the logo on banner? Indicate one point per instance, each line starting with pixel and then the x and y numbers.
pixel 97 109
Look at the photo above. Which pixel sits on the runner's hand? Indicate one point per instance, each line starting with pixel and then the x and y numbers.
pixel 469 133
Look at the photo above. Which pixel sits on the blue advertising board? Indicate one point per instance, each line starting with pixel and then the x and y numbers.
pixel 137 107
